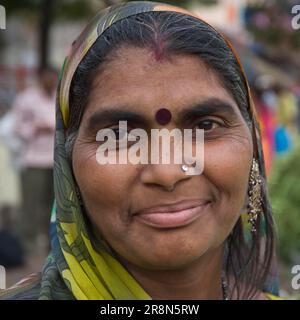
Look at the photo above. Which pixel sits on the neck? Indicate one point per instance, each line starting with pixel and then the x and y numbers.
pixel 200 280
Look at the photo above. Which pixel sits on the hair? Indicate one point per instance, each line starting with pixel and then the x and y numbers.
pixel 247 263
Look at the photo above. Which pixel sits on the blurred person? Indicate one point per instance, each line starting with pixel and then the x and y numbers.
pixel 287 110
pixel 10 139
pixel 286 117
pixel 11 250
pixel 10 147
pixel 268 94
pixel 34 124
pixel 266 117
pixel 9 183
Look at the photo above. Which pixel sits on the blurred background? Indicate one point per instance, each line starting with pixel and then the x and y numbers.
pixel 37 37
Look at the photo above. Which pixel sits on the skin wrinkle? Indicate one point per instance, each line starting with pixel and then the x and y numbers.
pixel 120 190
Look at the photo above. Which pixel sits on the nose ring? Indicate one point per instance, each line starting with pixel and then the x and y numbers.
pixel 184 168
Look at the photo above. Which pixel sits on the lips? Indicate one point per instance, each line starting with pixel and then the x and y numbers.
pixel 173 215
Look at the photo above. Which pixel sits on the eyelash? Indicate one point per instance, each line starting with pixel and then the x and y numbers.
pixel 220 123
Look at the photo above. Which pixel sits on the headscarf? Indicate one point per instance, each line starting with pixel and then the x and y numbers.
pixel 77 267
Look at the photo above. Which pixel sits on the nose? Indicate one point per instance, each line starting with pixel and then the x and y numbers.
pixel 166 176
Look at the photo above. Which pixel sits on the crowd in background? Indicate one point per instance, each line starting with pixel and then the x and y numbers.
pixel 26 161
pixel 278 108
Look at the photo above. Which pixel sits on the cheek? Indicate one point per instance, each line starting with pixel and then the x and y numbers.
pixel 227 167
pixel 104 188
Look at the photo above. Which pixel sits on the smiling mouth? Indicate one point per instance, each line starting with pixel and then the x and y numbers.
pixel 172 216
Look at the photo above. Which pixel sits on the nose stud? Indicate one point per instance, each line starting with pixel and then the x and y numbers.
pixel 184 168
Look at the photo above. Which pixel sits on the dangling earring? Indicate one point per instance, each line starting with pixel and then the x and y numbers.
pixel 254 192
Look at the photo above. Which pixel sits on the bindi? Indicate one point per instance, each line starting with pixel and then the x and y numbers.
pixel 163 116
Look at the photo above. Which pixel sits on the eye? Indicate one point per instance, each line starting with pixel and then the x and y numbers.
pixel 208 125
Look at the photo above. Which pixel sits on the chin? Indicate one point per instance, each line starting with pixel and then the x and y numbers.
pixel 176 258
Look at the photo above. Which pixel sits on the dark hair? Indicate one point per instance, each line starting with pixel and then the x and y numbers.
pixel 247 262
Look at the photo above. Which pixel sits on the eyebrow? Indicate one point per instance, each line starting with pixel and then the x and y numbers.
pixel 208 107
pixel 111 116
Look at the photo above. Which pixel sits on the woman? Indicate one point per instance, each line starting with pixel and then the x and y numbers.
pixel 150 231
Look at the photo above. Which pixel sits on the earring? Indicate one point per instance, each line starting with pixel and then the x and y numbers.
pixel 254 193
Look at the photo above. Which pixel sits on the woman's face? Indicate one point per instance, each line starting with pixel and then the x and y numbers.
pixel 120 198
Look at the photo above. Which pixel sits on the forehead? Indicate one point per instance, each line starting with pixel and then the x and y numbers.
pixel 134 77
